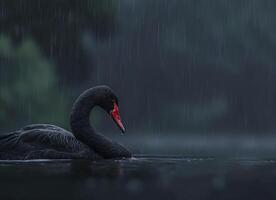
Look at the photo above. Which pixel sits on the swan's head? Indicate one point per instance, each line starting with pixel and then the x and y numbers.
pixel 107 99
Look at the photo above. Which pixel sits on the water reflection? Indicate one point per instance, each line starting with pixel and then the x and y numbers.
pixel 140 178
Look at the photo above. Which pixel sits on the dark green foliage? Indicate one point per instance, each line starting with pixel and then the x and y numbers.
pixel 28 90
pixel 57 26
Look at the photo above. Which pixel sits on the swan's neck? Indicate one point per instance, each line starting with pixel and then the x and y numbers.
pixel 83 131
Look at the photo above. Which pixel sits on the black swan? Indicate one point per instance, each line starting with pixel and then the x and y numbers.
pixel 44 141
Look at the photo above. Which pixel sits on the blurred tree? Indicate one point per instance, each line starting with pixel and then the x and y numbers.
pixel 28 90
pixel 57 26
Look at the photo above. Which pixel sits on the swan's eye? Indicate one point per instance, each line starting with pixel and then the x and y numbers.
pixel 114 101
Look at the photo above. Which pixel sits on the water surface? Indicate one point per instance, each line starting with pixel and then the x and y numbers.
pixel 157 177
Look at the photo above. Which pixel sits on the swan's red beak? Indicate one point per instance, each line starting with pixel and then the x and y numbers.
pixel 116 117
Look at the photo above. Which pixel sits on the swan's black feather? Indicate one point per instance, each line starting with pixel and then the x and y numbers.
pixel 8 140
pixel 44 126
pixel 43 141
pixel 52 136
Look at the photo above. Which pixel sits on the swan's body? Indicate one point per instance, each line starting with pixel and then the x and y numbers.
pixel 44 141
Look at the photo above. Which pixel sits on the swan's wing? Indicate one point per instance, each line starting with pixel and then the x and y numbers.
pixel 50 137
pixel 43 141
pixel 45 126
pixel 8 140
pixel 12 140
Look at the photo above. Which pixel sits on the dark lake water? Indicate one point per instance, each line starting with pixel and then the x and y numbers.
pixel 157 177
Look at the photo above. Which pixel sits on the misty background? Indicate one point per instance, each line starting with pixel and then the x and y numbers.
pixel 188 74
